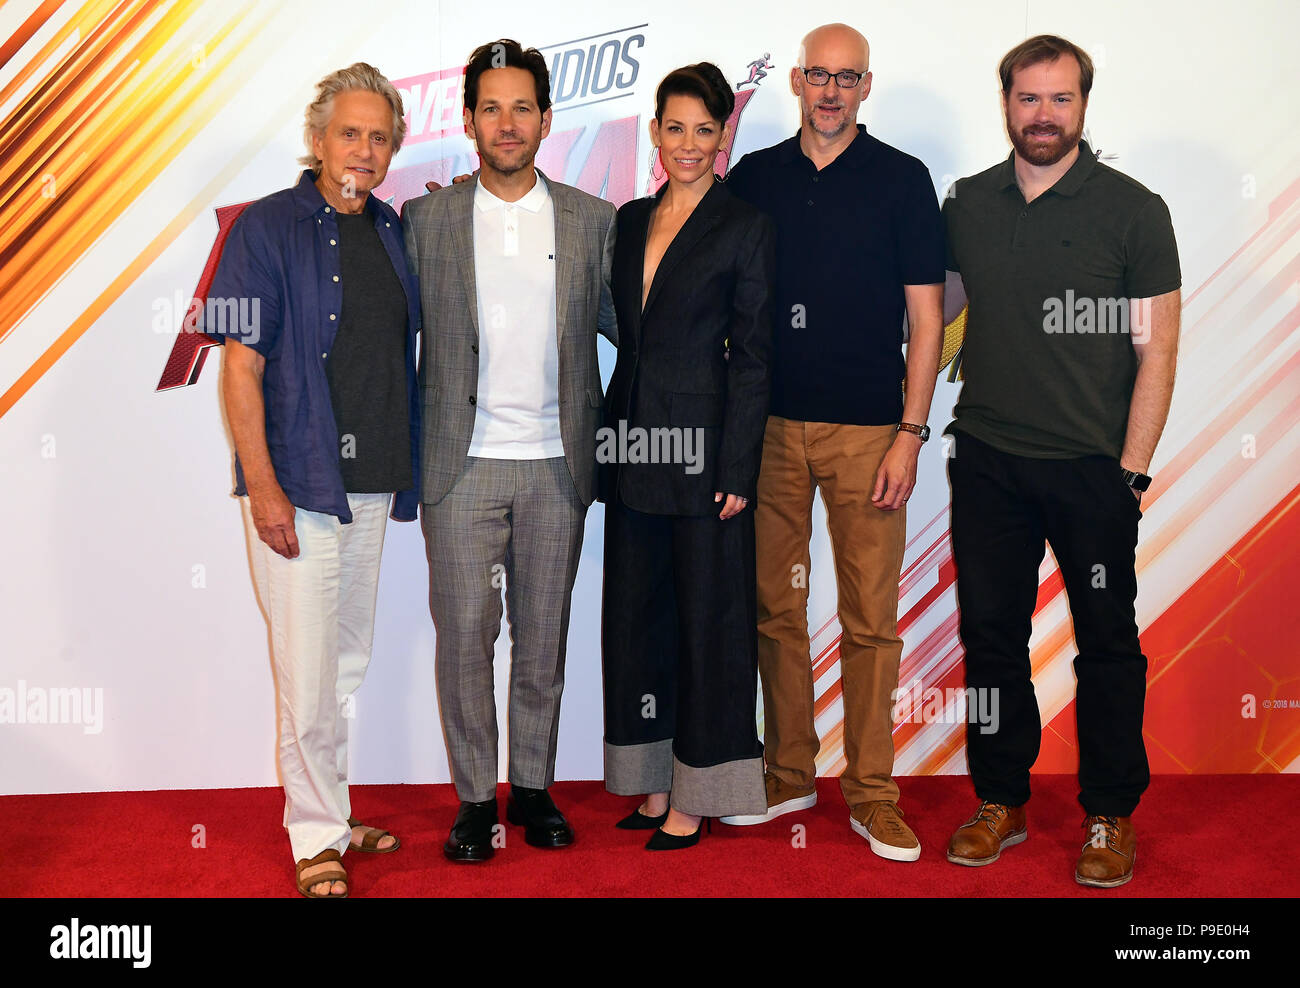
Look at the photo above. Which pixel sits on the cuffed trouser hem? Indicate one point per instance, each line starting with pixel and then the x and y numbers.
pixel 732 788
pixel 729 789
pixel 638 769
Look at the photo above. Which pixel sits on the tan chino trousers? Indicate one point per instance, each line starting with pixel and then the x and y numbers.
pixel 867 543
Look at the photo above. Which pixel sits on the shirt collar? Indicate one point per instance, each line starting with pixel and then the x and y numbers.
pixel 533 200
pixel 308 201
pixel 1067 185
pixel 855 155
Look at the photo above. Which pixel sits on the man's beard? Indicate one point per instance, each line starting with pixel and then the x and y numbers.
pixel 829 134
pixel 1044 153
pixel 505 166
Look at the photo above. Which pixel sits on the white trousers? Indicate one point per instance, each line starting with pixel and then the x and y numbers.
pixel 321 610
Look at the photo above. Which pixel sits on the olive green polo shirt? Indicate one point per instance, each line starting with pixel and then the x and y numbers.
pixel 1048 363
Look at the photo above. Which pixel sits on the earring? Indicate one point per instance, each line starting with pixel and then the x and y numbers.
pixel 657 170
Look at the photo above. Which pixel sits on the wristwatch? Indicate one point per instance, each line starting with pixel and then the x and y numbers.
pixel 923 431
pixel 1138 481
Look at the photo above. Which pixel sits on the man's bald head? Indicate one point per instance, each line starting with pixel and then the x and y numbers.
pixel 840 39
pixel 829 110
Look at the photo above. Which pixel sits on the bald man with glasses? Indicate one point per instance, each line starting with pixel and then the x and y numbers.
pixel 860 246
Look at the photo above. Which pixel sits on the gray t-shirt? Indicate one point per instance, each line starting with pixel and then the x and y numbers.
pixel 367 367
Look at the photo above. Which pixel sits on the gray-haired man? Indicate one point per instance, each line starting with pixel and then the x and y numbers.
pixel 320 393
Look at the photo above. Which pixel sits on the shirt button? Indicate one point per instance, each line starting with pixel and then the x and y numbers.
pixel 332 317
pixel 323 356
pixel 471 399
pixel 816 178
pixel 336 277
pixel 388 224
pixel 810 202
pixel 327 209
pixel 474 347
pixel 332 242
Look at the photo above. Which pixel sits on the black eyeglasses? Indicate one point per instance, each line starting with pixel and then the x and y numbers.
pixel 819 77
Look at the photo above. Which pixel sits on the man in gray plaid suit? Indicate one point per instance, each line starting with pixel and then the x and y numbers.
pixel 514 276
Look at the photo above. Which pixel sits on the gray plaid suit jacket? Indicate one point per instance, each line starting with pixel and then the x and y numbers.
pixel 439 231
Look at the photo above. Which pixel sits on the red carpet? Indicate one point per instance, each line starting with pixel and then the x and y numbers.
pixel 1198 836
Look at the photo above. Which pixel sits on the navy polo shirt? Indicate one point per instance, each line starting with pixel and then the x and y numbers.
pixel 283 252
pixel 849 237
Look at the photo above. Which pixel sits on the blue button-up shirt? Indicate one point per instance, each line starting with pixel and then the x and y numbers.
pixel 281 261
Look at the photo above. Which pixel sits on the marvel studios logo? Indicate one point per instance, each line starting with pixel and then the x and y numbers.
pixel 594 69
pixel 584 71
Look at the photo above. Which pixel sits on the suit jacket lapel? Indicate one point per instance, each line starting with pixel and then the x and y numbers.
pixel 634 276
pixel 700 222
pixel 460 207
pixel 566 243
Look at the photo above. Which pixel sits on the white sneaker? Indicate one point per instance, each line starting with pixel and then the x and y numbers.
pixel 883 827
pixel 790 805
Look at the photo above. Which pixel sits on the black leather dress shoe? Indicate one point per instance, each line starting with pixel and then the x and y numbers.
pixel 471 835
pixel 544 825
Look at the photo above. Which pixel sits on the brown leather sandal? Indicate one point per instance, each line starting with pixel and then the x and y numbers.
pixel 333 872
pixel 370 843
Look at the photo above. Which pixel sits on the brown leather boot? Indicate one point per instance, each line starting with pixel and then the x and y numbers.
pixel 1108 853
pixel 980 840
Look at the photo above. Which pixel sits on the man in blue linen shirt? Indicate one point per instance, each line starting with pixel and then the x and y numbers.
pixel 320 392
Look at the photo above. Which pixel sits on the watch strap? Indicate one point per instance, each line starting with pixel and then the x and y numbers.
pixel 1138 481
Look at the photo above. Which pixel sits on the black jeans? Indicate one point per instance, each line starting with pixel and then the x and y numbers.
pixel 1003 509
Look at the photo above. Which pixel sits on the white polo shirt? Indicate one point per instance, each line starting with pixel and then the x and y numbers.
pixel 517 409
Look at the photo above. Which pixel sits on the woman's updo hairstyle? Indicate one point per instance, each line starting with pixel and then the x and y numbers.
pixel 703 80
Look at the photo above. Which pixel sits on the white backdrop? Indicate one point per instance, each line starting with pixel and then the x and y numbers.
pixel 124 566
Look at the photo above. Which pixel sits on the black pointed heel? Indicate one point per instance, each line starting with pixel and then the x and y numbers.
pixel 636 820
pixel 661 840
